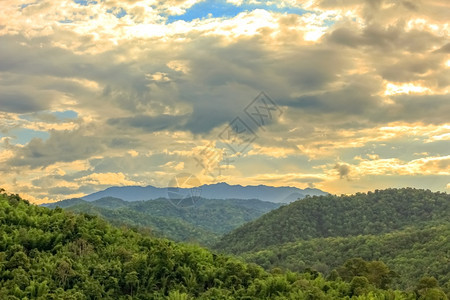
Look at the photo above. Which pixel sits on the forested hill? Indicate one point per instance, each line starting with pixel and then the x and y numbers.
pixel 376 212
pixel 411 253
pixel 53 254
pixel 202 223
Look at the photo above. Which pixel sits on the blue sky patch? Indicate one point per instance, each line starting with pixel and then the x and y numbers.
pixel 85 2
pixel 22 6
pixel 119 13
pixel 60 115
pixel 329 22
pixel 63 115
pixel 23 135
pixel 221 8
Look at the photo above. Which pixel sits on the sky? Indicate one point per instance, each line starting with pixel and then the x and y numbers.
pixel 342 95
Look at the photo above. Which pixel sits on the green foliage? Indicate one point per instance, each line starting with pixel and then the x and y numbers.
pixel 428 288
pixel 332 216
pixel 375 272
pixel 202 223
pixel 53 254
pixel 411 238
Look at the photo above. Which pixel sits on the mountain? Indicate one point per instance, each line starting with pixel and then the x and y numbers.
pixel 376 212
pixel 202 223
pixel 408 229
pixel 211 191
pixel 54 254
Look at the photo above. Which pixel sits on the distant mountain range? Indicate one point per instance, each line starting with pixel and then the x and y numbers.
pixel 210 191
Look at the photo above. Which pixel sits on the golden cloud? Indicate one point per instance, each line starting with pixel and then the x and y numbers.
pixel 118 179
pixel 278 152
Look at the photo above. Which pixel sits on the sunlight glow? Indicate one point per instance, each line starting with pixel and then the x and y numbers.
pixel 407 88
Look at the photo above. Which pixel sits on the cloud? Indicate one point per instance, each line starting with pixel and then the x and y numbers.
pixel 149 123
pixel 175 166
pixel 62 146
pixel 366 79
pixel 271 151
pixel 387 39
pixel 106 179
pixel 343 170
pixel 18 103
pixel 431 165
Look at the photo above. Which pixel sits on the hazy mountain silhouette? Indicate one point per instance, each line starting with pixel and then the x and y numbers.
pixel 211 191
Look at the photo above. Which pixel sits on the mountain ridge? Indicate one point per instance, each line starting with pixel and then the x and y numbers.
pixel 222 190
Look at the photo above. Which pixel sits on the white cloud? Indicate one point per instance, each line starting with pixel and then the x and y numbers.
pixel 236 2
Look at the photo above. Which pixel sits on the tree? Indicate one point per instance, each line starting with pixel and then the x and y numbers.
pixel 428 289
pixel 132 281
pixel 359 285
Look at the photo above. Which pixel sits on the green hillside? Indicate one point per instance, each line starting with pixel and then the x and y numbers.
pixel 407 229
pixel 411 253
pixel 202 223
pixel 332 216
pixel 53 254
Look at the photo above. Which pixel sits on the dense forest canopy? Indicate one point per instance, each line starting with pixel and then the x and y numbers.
pixel 410 253
pixel 202 223
pixel 408 229
pixel 53 254
pixel 376 212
